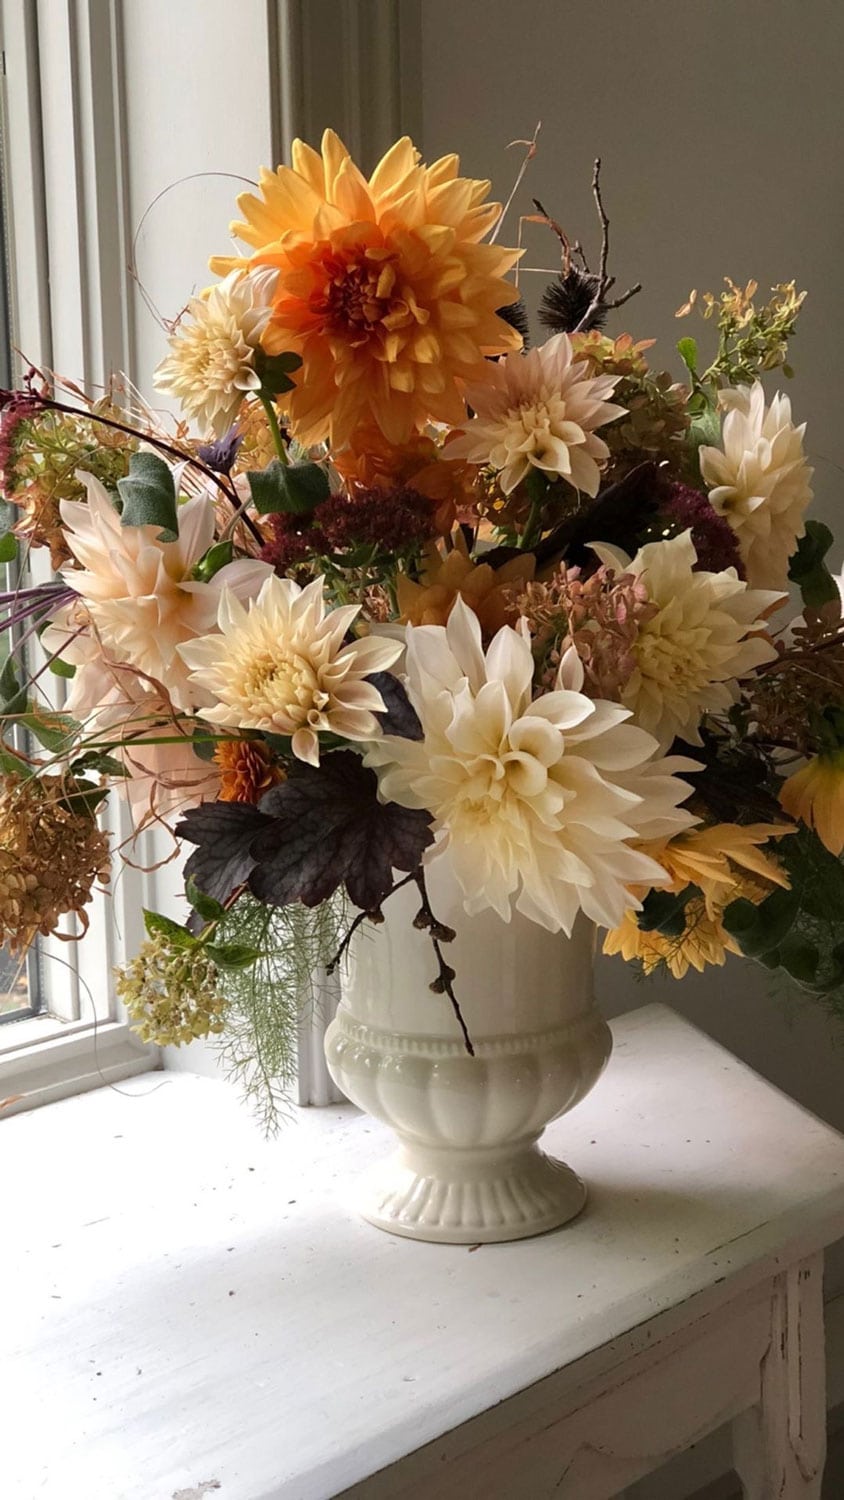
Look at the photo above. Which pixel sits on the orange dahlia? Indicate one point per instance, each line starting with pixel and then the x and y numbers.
pixel 383 289
pixel 420 464
pixel 247 770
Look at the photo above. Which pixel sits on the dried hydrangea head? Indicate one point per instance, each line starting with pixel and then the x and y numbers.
pixel 599 616
pixel 171 993
pixel 51 853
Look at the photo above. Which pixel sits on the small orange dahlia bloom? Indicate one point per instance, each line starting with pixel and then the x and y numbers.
pixel 247 770
pixel 815 795
pixel 488 591
pixel 383 289
pixel 420 464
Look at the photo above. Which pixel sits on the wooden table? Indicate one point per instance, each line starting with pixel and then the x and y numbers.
pixel 191 1311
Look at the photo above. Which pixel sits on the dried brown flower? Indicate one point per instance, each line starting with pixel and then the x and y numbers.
pixel 599 616
pixel 51 853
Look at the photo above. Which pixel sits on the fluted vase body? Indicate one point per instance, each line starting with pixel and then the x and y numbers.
pixel 468 1168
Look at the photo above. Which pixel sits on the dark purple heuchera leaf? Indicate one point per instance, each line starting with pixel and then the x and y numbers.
pixel 327 828
pixel 223 833
pixel 400 717
pixel 321 828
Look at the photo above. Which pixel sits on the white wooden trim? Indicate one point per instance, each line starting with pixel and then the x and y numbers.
pixel 64 150
pixel 73 1062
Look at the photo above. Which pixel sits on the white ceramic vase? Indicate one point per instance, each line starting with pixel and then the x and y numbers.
pixel 468 1169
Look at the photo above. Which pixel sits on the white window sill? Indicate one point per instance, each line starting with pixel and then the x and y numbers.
pixel 190 1303
pixel 43 1059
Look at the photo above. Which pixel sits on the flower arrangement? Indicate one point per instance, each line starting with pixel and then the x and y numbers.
pixel 418 585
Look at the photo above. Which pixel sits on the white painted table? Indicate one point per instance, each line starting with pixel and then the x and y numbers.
pixel 188 1310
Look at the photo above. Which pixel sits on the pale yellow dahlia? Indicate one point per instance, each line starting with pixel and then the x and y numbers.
pixel 383 288
pixel 138 598
pixel 284 666
pixel 537 800
pixel 707 631
pixel 759 481
pixel 725 861
pixel 211 364
pixel 540 410
pixel 815 795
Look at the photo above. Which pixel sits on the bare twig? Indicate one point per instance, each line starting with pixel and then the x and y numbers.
pixel 605 281
pixel 438 933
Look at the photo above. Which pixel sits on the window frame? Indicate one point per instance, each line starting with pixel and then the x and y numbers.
pixel 68 309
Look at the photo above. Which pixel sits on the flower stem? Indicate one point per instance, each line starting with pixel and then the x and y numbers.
pixel 272 417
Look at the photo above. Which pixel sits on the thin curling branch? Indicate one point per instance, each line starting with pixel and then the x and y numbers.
pixel 48 403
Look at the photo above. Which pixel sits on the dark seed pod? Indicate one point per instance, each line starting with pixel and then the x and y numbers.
pixel 567 300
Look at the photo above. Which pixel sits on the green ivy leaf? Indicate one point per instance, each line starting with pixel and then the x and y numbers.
pixel 687 350
pixel 294 488
pixel 12 764
pixel 148 493
pixel 8 547
pixel 157 925
pixel 12 695
pixel 61 668
pixel 204 905
pixel 807 567
pixel 759 929
pixel 52 730
pixel 215 558
pixel 232 955
pixel 97 760
pixel 274 371
pixel 665 911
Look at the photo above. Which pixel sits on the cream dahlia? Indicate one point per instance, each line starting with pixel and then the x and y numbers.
pixel 540 410
pixel 285 666
pixel 138 599
pixel 536 800
pixel 211 364
pixel 707 631
pixel 759 481
pixel 383 289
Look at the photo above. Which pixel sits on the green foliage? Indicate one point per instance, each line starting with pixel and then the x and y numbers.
pixel 157 925
pixel 148 493
pixel 808 569
pixel 800 930
pixel 665 911
pixel 204 905
pixel 274 371
pixel 8 547
pixel 687 350
pixel 267 999
pixel 215 558
pixel 293 488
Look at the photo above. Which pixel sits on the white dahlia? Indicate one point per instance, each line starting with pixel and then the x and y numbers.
pixel 211 364
pixel 285 666
pixel 138 599
pixel 540 410
pixel 759 481
pixel 708 630
pixel 537 800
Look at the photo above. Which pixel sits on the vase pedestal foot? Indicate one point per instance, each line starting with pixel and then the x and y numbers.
pixel 469 1197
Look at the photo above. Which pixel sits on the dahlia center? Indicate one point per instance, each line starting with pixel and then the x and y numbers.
pixel 284 683
pixel 358 293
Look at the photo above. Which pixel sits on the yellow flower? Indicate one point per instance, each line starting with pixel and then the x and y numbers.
pixel 724 861
pixel 383 287
pixel 815 795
